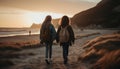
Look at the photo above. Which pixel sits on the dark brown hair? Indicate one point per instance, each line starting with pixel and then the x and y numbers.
pixel 64 21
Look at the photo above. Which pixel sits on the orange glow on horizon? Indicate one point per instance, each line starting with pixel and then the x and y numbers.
pixel 26 19
pixel 38 17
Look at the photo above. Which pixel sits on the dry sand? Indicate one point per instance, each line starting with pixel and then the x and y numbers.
pixel 35 59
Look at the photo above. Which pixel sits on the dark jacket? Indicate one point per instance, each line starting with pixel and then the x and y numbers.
pixel 71 37
pixel 52 31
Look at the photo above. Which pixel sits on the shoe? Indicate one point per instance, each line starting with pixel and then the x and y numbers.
pixel 50 60
pixel 47 61
pixel 65 62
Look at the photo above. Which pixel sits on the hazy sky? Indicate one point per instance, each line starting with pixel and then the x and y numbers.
pixel 22 13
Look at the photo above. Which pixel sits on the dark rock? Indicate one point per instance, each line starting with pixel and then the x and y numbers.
pixel 105 14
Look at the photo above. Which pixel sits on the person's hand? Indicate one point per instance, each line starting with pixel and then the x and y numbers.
pixel 41 42
pixel 73 42
pixel 57 41
pixel 60 45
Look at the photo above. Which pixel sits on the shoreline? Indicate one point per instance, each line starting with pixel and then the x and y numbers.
pixel 29 40
pixel 19 40
pixel 33 55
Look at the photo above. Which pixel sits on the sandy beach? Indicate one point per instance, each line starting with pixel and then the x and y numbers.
pixel 33 58
pixel 19 40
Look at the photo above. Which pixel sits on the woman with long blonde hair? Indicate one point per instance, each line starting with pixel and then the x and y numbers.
pixel 47 35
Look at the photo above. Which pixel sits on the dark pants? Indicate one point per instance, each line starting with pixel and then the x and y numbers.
pixel 65 47
pixel 48 50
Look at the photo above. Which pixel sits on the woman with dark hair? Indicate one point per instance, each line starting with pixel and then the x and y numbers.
pixel 65 39
pixel 47 35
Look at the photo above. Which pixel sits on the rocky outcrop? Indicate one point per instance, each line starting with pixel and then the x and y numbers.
pixel 55 22
pixel 106 13
pixel 35 25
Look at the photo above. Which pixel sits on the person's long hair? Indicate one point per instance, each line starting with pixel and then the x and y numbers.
pixel 64 21
pixel 47 21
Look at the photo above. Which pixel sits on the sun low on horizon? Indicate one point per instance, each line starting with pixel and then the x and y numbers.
pixel 38 17
pixel 24 18
pixel 23 13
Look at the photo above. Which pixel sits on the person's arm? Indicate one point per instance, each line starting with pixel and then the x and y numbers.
pixel 41 42
pixel 53 32
pixel 40 33
pixel 57 35
pixel 72 36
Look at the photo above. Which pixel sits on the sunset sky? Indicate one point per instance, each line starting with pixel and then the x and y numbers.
pixel 22 13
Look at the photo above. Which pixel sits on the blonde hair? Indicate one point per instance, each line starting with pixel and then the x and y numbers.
pixel 47 22
pixel 47 19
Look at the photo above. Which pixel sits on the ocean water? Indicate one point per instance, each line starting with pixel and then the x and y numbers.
pixel 5 32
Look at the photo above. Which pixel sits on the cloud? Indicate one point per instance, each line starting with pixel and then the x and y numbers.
pixel 57 6
pixel 94 1
pixel 9 10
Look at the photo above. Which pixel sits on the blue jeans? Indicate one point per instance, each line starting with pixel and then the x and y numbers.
pixel 65 47
pixel 48 50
